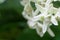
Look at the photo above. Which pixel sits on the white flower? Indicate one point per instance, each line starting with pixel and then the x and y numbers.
pixel 54 21
pixel 24 2
pixel 43 17
pixel 27 13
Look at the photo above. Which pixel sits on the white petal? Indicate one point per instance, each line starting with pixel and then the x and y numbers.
pixel 51 32
pixel 24 2
pixel 25 15
pixel 35 12
pixel 39 29
pixel 38 17
pixel 28 8
pixel 58 13
pixel 48 2
pixel 53 10
pixel 39 7
pixel 45 25
pixel 39 24
pixel 39 32
pixel 54 21
pixel 31 24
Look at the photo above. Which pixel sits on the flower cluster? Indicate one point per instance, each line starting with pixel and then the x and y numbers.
pixel 43 17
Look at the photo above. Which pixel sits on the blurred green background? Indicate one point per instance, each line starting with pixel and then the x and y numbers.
pixel 14 27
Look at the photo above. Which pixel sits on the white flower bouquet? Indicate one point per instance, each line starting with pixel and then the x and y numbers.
pixel 43 17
